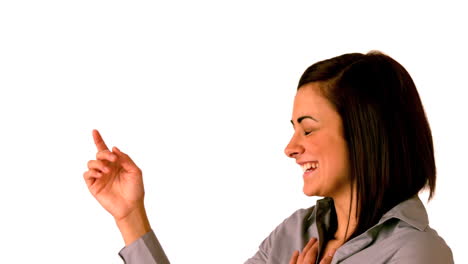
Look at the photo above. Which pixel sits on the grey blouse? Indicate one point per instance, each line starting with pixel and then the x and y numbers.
pixel 402 236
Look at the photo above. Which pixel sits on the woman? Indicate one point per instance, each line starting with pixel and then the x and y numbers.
pixel 364 143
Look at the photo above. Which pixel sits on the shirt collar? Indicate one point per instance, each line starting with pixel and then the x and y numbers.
pixel 411 211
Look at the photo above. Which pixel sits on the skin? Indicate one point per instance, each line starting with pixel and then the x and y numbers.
pixel 325 143
pixel 117 184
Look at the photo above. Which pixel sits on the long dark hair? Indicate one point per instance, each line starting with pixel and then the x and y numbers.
pixel 389 139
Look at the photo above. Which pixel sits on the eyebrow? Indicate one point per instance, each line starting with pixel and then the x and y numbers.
pixel 299 120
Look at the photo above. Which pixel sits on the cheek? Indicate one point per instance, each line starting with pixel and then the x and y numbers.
pixel 335 159
pixel 340 162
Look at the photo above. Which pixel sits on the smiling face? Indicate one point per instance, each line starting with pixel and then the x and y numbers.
pixel 318 137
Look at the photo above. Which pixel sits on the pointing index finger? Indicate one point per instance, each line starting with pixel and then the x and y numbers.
pixel 100 144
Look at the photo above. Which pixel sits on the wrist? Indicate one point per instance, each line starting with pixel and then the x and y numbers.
pixel 134 225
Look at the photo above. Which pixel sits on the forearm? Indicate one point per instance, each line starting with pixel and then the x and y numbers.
pixel 134 225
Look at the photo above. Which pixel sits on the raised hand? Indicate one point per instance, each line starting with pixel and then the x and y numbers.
pixel 309 254
pixel 117 184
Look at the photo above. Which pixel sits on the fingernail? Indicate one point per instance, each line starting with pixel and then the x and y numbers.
pixel 332 252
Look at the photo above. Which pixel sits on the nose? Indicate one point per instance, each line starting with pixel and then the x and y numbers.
pixel 294 147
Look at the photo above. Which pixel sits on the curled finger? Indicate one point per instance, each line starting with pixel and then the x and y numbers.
pixel 106 155
pixel 98 165
pixel 311 254
pixel 93 174
pixel 306 249
pixel 90 176
pixel 294 257
pixel 328 258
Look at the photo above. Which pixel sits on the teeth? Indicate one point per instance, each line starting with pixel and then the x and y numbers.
pixel 309 165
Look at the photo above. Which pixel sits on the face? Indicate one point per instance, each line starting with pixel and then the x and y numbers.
pixel 318 138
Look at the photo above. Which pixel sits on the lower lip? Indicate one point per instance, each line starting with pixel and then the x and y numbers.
pixel 309 173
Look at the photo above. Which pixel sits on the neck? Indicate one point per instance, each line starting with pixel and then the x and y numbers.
pixel 347 220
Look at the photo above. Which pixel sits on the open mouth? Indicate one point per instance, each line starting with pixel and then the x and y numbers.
pixel 310 166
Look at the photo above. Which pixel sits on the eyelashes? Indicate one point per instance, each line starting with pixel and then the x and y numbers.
pixel 309 132
pixel 305 133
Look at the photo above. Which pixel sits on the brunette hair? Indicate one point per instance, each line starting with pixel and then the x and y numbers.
pixel 389 140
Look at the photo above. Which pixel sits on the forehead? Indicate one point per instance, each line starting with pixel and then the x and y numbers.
pixel 308 100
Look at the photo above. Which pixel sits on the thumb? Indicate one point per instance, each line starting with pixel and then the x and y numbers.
pixel 125 161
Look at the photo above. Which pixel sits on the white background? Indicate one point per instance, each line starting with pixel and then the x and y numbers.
pixel 200 94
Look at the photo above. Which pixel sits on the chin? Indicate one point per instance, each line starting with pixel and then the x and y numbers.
pixel 313 191
pixel 309 192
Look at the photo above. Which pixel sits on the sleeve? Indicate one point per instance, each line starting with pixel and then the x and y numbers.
pixel 284 239
pixel 145 250
pixel 423 250
pixel 261 257
pixel 281 242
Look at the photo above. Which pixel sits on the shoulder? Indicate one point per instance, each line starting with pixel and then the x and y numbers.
pixel 301 215
pixel 294 222
pixel 422 246
pixel 284 239
pixel 298 225
pixel 291 228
